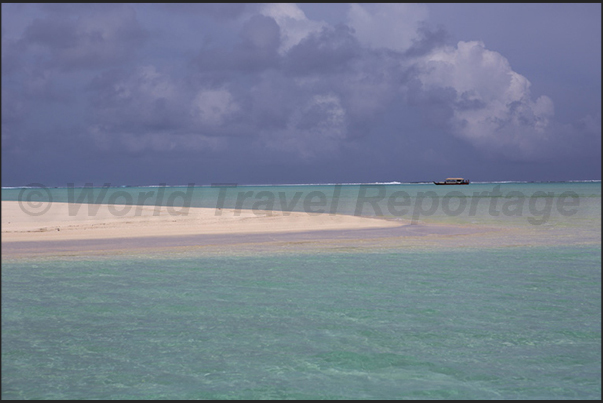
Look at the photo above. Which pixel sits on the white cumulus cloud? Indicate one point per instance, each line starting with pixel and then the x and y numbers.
pixel 493 106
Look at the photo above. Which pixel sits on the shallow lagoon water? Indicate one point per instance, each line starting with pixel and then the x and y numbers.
pixel 514 323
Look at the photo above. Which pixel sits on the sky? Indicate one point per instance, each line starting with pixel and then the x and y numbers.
pixel 145 94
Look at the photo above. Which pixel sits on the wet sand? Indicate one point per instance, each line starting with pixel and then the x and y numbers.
pixel 324 238
pixel 60 232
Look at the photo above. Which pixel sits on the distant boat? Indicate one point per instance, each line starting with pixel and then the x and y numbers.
pixel 453 181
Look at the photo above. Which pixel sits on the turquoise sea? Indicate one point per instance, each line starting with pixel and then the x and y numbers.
pixel 513 313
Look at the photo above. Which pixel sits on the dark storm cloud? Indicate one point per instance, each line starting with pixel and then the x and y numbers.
pixel 144 109
pixel 427 40
pixel 98 38
pixel 329 51
pixel 138 100
pixel 259 34
pixel 256 51
pixel 221 11
pixel 272 91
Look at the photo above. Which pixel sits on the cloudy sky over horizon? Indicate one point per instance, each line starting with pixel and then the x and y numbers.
pixel 308 93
